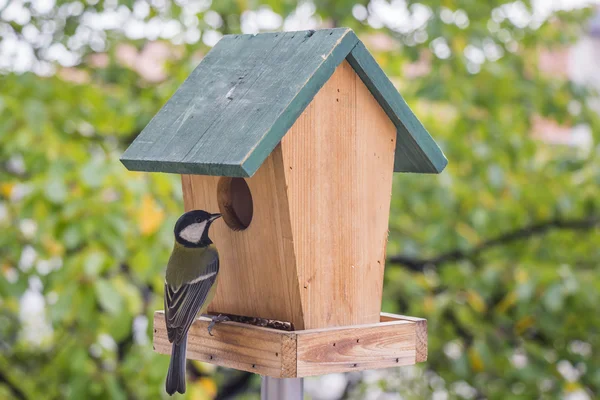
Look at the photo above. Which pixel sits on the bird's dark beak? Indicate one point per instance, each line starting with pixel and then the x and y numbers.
pixel 214 216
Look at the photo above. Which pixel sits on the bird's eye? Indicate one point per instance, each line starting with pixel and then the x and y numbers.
pixel 198 219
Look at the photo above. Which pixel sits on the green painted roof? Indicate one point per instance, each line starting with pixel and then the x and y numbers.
pixel 236 106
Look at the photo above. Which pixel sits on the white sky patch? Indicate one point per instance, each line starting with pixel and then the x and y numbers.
pixel 579 394
pixel 35 328
pixel 464 390
pixel 140 326
pixel 17 55
pixel 43 6
pixel 11 275
pixel 580 347
pixel 107 342
pixel 302 18
pixel 28 228
pixel 264 19
pixel 453 350
pixel 440 48
pixel 210 37
pixel 397 16
pixel 192 35
pixel 360 12
pixel 213 19
pixel 474 54
pixel 335 384
pixel 170 29
pixel 28 256
pixel 141 9
pixel 519 359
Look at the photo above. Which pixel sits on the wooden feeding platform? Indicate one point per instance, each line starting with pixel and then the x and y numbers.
pixel 395 341
pixel 294 137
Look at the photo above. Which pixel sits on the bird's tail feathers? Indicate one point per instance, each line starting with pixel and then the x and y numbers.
pixel 176 375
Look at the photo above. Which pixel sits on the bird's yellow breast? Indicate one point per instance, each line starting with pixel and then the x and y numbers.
pixel 188 263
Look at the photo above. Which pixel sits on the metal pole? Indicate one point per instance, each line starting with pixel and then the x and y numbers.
pixel 281 389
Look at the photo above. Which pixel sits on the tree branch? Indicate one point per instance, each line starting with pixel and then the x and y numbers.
pixel 18 393
pixel 526 232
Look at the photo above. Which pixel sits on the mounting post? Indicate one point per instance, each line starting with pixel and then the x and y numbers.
pixel 279 389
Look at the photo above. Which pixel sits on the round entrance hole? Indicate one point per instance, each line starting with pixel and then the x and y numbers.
pixel 235 202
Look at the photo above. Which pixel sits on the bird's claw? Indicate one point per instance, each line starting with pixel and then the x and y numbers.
pixel 215 320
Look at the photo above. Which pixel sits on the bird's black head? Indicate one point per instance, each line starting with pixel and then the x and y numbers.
pixel 191 229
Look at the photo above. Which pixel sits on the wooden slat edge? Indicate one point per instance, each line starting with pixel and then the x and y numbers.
pixel 281 354
pixel 420 332
pixel 416 151
pixel 289 355
pixel 421 340
pixel 234 345
pixel 387 317
pixel 356 348
pixel 352 327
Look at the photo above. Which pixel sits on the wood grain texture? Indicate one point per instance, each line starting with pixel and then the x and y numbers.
pixel 420 332
pixel 289 355
pixel 416 151
pixel 257 276
pixel 391 343
pixel 235 107
pixel 234 345
pixel 355 348
pixel 338 160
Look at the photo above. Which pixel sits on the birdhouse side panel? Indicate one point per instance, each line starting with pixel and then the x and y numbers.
pixel 338 160
pixel 257 276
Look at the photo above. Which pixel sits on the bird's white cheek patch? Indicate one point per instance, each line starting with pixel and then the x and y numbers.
pixel 193 233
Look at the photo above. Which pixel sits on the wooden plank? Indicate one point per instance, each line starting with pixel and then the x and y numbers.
pixel 338 160
pixel 258 269
pixel 196 103
pixel 416 151
pixel 420 332
pixel 355 348
pixel 239 102
pixel 234 345
pixel 282 354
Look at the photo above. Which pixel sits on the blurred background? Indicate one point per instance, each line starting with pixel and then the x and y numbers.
pixel 501 252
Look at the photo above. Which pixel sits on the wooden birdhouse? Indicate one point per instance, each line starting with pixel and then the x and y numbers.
pixel 294 137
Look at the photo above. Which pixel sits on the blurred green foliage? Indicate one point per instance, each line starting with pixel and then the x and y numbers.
pixel 500 252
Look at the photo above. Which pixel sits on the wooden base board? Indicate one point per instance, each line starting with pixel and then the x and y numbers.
pixel 396 340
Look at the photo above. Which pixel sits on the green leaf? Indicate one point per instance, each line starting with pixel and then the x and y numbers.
pixel 108 296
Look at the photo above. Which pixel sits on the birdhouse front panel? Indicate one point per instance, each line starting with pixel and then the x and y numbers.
pixel 338 163
pixel 257 276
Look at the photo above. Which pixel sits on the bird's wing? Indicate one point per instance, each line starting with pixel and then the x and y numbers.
pixel 183 303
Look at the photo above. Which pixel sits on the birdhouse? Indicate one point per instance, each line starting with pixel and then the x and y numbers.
pixel 294 137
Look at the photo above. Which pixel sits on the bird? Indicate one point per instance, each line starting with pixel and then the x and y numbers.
pixel 190 283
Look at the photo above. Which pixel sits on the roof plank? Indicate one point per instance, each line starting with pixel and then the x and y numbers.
pixel 291 78
pixel 240 101
pixel 198 103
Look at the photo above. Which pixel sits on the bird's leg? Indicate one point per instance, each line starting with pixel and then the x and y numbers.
pixel 215 320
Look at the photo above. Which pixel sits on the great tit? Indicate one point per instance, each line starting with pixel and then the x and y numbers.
pixel 190 284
